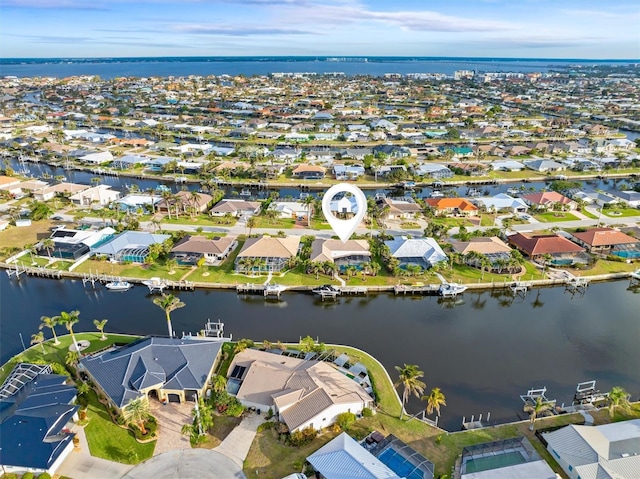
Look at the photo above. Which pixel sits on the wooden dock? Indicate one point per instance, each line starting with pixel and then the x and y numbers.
pixel 416 289
pixel 354 290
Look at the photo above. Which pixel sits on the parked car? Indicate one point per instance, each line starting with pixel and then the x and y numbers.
pixel 295 475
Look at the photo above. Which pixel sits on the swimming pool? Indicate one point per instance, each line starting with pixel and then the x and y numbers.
pixel 493 462
pixel 627 254
pixel 400 465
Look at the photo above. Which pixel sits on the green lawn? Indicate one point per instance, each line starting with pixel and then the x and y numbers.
pixel 603 266
pixel 555 217
pixel 588 214
pixel 200 220
pixel 621 212
pixel 277 223
pixel 109 441
pixel 132 270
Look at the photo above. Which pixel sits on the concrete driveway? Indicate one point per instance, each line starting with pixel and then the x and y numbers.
pixel 171 418
pixel 187 464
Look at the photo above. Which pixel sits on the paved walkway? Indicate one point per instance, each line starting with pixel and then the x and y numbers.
pixel 236 445
pixel 171 418
pixel 80 464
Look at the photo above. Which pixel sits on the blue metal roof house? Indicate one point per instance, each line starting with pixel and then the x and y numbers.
pixel 35 408
pixel 167 369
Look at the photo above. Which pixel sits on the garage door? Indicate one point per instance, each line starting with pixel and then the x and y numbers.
pixel 173 397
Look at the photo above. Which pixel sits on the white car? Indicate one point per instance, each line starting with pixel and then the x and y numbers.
pixel 295 475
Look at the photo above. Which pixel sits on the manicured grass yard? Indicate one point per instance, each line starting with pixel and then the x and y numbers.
pixel 555 217
pixel 621 212
pixel 222 426
pixel 109 441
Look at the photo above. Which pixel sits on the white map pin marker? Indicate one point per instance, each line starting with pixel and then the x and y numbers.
pixel 344 228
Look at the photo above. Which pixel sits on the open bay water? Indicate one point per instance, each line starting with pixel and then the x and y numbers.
pixel 483 351
pixel 203 66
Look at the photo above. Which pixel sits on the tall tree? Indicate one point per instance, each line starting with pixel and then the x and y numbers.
pixel 50 322
pixel 100 324
pixel 435 400
pixel 251 223
pixel 409 378
pixel 538 407
pixel 69 319
pixel 38 338
pixel 168 303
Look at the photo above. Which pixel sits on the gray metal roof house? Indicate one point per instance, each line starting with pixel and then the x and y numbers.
pixel 167 369
pixel 35 408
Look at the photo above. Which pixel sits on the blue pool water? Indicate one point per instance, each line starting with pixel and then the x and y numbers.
pixel 627 254
pixel 399 465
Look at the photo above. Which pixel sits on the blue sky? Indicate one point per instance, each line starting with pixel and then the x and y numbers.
pixel 490 28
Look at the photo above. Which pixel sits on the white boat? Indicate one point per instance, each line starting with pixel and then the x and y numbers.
pixel 118 285
pixel 326 289
pixel 451 290
pixel 437 194
pixel 513 191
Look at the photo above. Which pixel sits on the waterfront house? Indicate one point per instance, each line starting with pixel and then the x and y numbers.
pixel 399 208
pixel 502 202
pixel 60 189
pixel 549 200
pixel 423 252
pixel 37 413
pixel 308 172
pixel 343 255
pixel 185 200
pixel 606 241
pixel 290 209
pixel 630 198
pixel 595 197
pixel 129 246
pixel 270 254
pixel 190 249
pixel 493 248
pixel 165 369
pixel 159 163
pixel 96 195
pixel 72 244
pixel 235 207
pixel 544 166
pixel 128 161
pixel 134 203
pixel 562 251
pixel 348 172
pixel 452 206
pixel 432 170
pixel 98 158
pixel 301 393
pixel 594 452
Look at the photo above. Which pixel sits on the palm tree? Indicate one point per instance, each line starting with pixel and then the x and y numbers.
pixel 38 338
pixel 69 319
pixel 251 223
pixel 48 244
pixel 409 378
pixel 219 384
pixel 169 303
pixel 618 397
pixel 435 399
pixel 71 358
pixel 48 322
pixel 136 412
pixel 308 201
pixel 538 407
pixel 100 324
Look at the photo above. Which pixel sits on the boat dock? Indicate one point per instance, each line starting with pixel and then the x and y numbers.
pixel 33 271
pixel 266 289
pixel 353 290
pixel 158 285
pixel 577 284
pixel 416 289
pixel 475 424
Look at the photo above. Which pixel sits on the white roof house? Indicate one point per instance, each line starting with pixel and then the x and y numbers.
pixel 507 165
pixel 302 393
pixel 421 251
pixel 502 201
pixel 610 451
pixel 97 158
pixel 100 195
pixel 344 458
pixel 289 209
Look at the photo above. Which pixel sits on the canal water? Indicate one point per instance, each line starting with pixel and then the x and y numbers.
pixel 482 350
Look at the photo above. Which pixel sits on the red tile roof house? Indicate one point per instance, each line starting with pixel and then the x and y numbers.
pixel 548 199
pixel 563 251
pixel 608 241
pixel 453 206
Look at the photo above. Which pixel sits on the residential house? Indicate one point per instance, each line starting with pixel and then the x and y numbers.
pixel 98 158
pixel 129 246
pixel 395 208
pixel 96 195
pixel 190 249
pixel 138 203
pixel 342 254
pixel 452 206
pixel 608 451
pixel 235 207
pixel 185 200
pixel 290 209
pixel 423 252
pixel 348 172
pixel 392 151
pixel 630 198
pixel 493 248
pixel 387 170
pixel 271 252
pixel 301 393
pixel 308 172
pixel 549 200
pixel 159 164
pixel 165 369
pixel 608 241
pixel 128 161
pixel 432 170
pixel 72 244
pixel 37 413
pixel 599 198
pixel 507 165
pixel 60 189
pixel 544 166
pixel 536 247
pixel 502 202
pixel 343 458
